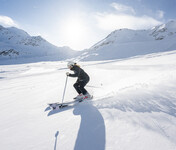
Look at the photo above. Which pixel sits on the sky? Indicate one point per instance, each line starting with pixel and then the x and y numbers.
pixel 79 24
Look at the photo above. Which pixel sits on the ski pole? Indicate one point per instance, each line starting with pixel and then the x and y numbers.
pixel 64 90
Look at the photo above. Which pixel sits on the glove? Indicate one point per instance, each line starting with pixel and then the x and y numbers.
pixel 67 73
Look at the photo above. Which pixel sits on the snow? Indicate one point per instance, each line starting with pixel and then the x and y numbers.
pixel 17 46
pixel 134 105
pixel 126 43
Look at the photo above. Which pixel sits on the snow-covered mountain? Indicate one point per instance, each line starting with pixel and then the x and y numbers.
pixel 16 43
pixel 125 43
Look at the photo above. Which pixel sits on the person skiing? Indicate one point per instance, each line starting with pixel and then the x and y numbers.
pixel 83 79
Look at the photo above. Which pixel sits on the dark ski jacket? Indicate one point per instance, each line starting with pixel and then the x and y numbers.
pixel 80 73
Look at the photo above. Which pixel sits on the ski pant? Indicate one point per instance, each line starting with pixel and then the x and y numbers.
pixel 79 86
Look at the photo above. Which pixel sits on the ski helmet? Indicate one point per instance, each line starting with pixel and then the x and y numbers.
pixel 70 64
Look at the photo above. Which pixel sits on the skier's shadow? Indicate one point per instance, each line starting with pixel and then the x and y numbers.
pixel 91 134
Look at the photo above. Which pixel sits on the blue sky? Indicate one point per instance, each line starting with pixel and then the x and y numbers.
pixel 81 23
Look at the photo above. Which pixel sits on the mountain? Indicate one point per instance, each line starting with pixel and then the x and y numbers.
pixel 125 43
pixel 16 44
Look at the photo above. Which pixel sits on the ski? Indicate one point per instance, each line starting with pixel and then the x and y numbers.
pixel 62 104
pixel 58 105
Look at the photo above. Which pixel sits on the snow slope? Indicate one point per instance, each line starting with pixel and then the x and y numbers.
pixel 125 43
pixel 134 106
pixel 17 45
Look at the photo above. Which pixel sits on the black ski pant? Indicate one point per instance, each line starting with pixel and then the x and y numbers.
pixel 79 86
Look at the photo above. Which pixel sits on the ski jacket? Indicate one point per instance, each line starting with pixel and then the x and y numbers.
pixel 80 73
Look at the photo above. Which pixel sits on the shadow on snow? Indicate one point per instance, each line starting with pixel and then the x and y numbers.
pixel 55 144
pixel 91 134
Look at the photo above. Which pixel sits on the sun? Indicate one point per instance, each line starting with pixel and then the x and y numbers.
pixel 74 32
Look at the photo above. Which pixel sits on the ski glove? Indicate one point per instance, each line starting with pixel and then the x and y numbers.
pixel 67 73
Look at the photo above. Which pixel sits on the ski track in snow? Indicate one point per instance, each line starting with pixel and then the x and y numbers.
pixel 134 106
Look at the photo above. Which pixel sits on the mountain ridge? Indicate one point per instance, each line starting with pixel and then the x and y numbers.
pixel 16 44
pixel 125 43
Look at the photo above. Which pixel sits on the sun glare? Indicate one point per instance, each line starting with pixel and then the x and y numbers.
pixel 74 32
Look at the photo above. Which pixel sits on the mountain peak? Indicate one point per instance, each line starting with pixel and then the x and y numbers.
pixel 125 43
pixel 20 32
pixel 16 44
pixel 162 31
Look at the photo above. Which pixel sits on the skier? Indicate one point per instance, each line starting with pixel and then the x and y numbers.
pixel 81 82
